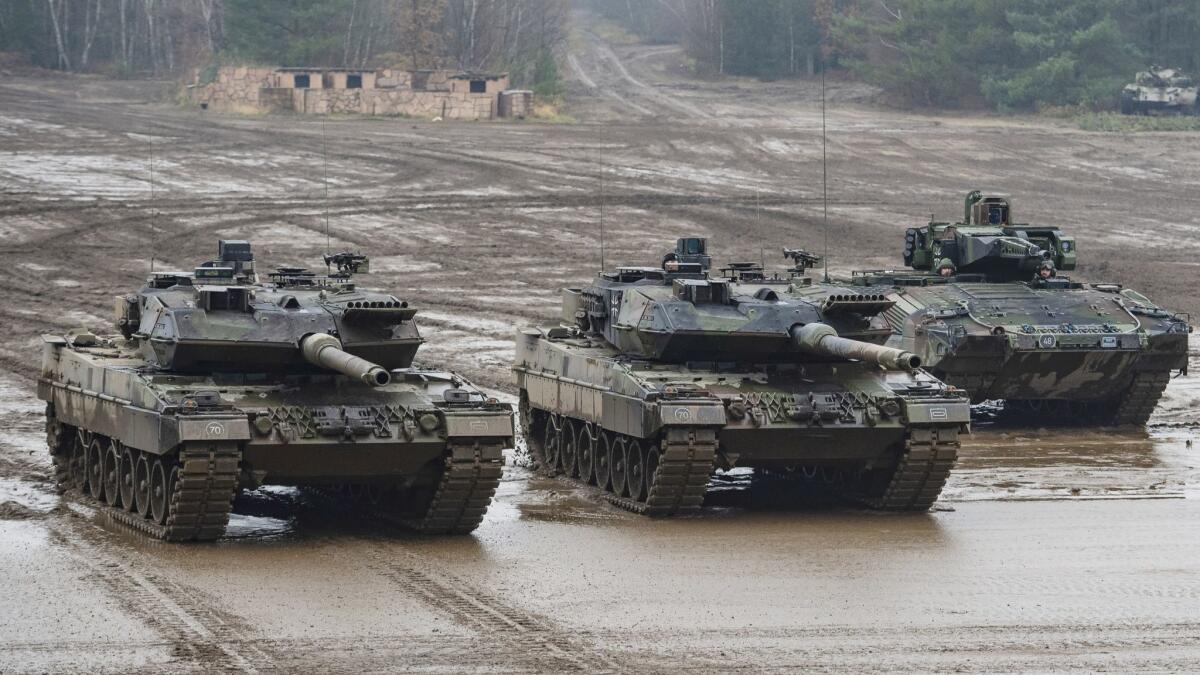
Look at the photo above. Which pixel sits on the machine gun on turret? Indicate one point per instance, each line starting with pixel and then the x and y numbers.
pixel 802 260
pixel 348 264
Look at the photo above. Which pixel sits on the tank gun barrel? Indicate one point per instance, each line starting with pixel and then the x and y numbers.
pixel 324 350
pixel 823 340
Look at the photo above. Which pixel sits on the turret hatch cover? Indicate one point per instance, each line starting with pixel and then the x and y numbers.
pixel 998 291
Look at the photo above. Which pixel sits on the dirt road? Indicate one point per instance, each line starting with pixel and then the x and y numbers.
pixel 1049 550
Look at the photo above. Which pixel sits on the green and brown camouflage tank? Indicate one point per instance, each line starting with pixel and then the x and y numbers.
pixel 657 376
pixel 987 309
pixel 219 382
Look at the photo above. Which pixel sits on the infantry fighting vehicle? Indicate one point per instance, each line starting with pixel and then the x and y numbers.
pixel 1161 91
pixel 219 382
pixel 985 308
pixel 659 375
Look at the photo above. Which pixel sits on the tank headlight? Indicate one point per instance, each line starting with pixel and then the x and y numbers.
pixel 429 422
pixel 890 408
pixel 263 424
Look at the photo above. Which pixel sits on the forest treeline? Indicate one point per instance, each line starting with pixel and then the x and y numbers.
pixel 166 37
pixel 1009 54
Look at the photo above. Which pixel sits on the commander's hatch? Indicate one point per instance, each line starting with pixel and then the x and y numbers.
pixel 223 298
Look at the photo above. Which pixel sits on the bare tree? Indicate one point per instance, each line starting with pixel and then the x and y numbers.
pixel 64 58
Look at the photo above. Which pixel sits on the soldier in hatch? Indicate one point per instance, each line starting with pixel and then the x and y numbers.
pixel 946 268
pixel 1046 271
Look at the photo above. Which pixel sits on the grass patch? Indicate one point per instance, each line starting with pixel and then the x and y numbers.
pixel 1115 123
pixel 549 111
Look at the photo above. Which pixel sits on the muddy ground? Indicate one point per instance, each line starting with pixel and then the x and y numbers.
pixel 1049 550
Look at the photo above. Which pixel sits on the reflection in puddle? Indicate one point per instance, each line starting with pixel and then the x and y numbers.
pixel 1075 464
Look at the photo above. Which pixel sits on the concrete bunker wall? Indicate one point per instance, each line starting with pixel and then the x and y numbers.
pixel 446 94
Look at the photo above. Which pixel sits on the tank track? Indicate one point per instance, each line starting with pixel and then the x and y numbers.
pixel 929 455
pixel 677 488
pixel 463 493
pixel 206 480
pixel 685 465
pixel 1141 398
pixel 203 479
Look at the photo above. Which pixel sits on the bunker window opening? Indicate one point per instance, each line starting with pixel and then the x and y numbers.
pixel 354 81
pixel 478 86
pixel 302 82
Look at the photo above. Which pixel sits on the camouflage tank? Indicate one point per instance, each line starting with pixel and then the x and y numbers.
pixel 1161 91
pixel 659 375
pixel 219 382
pixel 985 307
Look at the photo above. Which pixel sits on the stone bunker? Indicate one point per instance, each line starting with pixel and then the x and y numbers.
pixel 322 91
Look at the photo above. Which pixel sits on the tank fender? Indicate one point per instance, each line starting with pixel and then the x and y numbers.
pixel 691 413
pixel 938 412
pixel 472 425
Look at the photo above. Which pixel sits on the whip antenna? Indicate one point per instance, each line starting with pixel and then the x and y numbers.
pixel 601 159
pixel 325 160
pixel 153 210
pixel 824 166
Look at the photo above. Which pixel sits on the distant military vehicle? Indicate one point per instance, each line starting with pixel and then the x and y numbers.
pixel 659 375
pixel 1161 91
pixel 220 382
pixel 986 309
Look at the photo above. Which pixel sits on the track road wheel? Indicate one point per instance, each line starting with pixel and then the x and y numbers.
pixel 603 474
pixel 635 469
pixel 552 446
pixel 585 454
pixel 60 438
pixel 617 467
pixel 141 485
pixel 568 452
pixel 79 459
pixel 160 491
pixel 652 460
pixel 111 471
pixel 94 468
pixel 128 462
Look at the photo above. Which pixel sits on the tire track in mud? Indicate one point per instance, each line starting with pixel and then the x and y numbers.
pixel 196 630
pixel 488 615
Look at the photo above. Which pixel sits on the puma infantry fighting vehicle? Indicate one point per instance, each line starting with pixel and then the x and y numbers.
pixel 219 382
pixel 987 311
pixel 659 375
pixel 1161 91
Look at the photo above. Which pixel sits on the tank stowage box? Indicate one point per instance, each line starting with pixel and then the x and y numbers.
pixel 988 311
pixel 219 382
pixel 657 376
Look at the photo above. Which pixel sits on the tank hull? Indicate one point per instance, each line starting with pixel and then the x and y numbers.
pixel 228 432
pixel 1097 350
pixel 581 397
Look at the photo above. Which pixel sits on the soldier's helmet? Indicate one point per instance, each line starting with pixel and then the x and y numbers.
pixel 945 265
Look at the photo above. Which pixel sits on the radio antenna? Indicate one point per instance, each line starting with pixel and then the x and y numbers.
pixel 601 161
pixel 325 160
pixel 153 210
pixel 824 166
pixel 762 250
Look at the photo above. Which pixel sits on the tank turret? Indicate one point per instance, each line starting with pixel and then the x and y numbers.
pixel 679 313
pixel 987 244
pixel 223 318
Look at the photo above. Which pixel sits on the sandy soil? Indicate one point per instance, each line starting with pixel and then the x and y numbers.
pixel 1050 550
